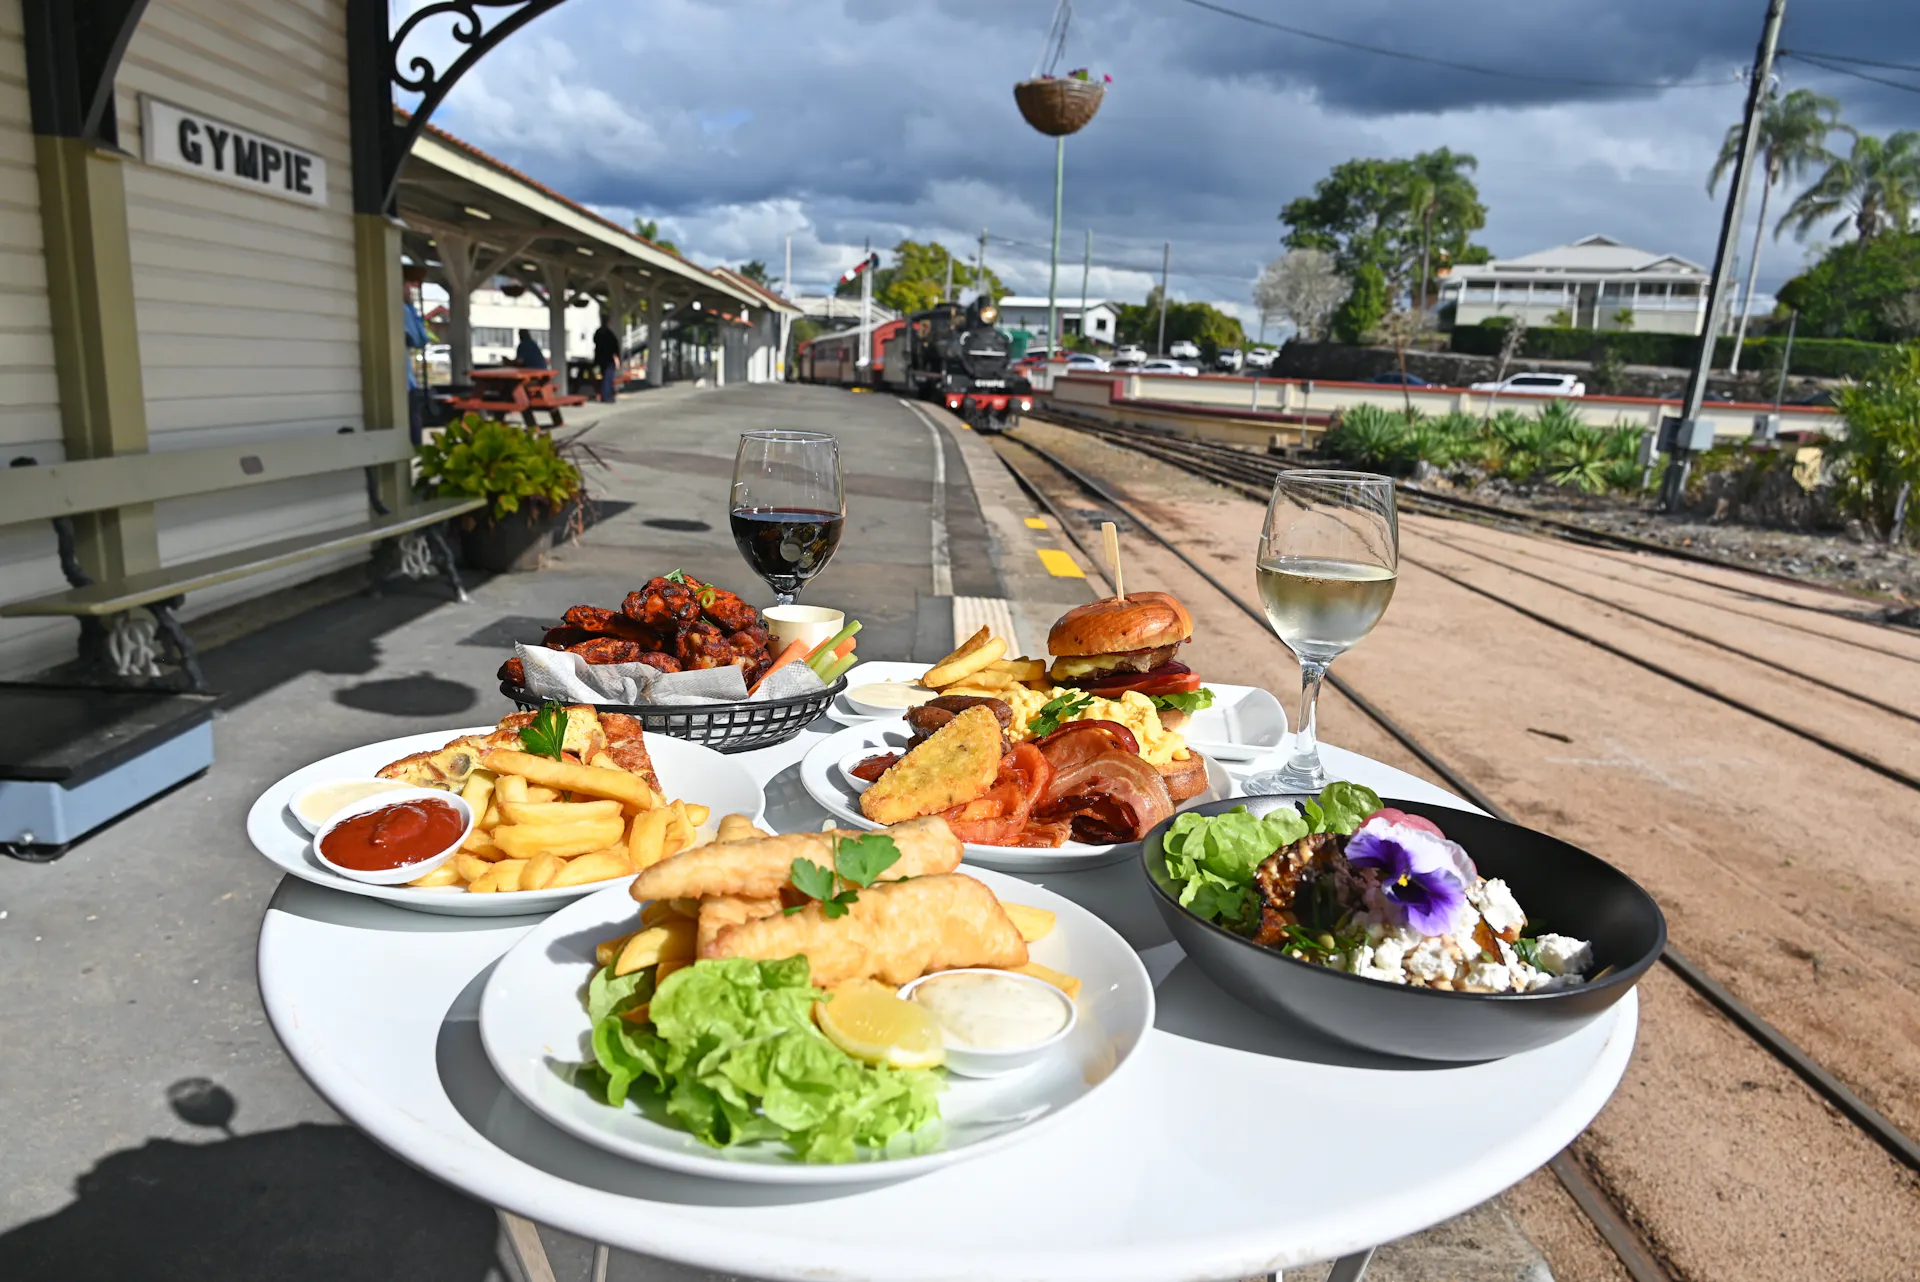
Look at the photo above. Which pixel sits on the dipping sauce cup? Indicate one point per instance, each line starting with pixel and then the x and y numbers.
pixel 394 837
pixel 808 624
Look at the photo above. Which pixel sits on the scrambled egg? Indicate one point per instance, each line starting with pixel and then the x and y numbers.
pixel 1133 710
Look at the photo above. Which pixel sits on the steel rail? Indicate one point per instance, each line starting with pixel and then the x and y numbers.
pixel 1635 1254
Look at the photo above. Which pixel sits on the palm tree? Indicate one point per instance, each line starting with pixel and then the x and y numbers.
pixel 1792 140
pixel 1875 188
pixel 1439 191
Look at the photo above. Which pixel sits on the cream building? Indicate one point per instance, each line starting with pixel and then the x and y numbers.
pixel 1593 281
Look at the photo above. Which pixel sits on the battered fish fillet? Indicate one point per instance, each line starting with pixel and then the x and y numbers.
pixel 757 869
pixel 955 764
pixel 722 911
pixel 895 932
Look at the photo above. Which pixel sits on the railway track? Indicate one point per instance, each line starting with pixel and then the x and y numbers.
pixel 1615 1228
pixel 1252 476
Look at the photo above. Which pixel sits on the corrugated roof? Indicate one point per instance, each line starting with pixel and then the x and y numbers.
pixel 1588 254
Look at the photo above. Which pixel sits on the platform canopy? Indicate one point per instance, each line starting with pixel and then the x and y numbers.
pixel 471 218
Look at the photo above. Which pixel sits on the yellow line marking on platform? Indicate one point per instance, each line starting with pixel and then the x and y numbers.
pixel 1060 565
pixel 1036 523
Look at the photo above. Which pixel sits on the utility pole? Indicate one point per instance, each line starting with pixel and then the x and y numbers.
pixel 1086 266
pixel 1686 437
pixel 786 282
pixel 866 308
pixel 980 265
pixel 1053 265
pixel 1786 360
pixel 1166 259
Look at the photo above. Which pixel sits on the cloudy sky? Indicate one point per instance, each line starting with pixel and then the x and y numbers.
pixel 738 122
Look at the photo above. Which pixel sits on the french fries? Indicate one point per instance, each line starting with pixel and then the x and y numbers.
pixel 980 650
pixel 672 940
pixel 444 875
pixel 601 865
pixel 565 838
pixel 1032 923
pixel 647 839
pixel 534 812
pixel 596 781
pixel 1068 984
pixel 541 871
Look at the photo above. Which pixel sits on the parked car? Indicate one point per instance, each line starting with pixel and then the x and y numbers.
pixel 1164 366
pixel 1262 358
pixel 1397 379
pixel 1182 350
pixel 1229 359
pixel 1130 352
pixel 1087 361
pixel 1537 385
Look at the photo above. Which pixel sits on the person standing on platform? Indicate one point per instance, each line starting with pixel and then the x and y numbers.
pixel 528 355
pixel 416 330
pixel 606 354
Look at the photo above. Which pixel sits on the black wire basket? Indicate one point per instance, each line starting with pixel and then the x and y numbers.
pixel 724 727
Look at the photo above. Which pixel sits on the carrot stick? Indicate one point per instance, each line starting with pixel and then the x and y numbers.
pixel 795 651
pixel 845 648
pixel 827 646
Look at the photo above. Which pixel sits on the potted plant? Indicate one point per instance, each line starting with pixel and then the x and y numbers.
pixel 528 486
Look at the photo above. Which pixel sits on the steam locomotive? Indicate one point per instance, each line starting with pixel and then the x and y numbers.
pixel 948 353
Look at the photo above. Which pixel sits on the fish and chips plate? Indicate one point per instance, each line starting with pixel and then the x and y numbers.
pixel 717 1033
pixel 555 820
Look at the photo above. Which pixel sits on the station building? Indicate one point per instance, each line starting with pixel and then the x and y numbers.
pixel 209 212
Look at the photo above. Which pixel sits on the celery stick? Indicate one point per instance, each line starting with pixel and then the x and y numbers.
pixel 822 657
pixel 834 673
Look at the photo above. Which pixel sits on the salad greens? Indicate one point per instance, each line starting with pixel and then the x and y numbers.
pixel 1215 855
pixel 1189 702
pixel 733 1055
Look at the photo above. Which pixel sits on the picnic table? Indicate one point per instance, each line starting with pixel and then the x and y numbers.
pixel 511 389
pixel 1179 1172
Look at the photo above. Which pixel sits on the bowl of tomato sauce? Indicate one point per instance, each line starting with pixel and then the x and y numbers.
pixel 394 837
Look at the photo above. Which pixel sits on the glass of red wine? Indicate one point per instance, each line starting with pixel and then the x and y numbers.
pixel 788 506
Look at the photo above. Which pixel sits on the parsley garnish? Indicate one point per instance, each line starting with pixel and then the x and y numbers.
pixel 707 594
pixel 1058 709
pixel 857 864
pixel 1189 702
pixel 548 733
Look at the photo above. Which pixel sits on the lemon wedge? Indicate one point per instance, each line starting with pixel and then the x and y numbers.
pixel 867 1021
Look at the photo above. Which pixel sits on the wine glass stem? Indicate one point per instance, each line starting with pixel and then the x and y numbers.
pixel 1305 764
pixel 783 598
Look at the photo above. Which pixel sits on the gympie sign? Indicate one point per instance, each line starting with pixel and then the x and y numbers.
pixel 175 138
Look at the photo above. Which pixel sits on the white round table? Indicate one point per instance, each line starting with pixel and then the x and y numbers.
pixel 1236 1147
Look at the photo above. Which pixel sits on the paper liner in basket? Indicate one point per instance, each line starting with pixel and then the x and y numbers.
pixel 557 674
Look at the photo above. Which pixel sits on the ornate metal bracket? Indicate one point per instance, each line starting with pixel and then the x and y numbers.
pixel 74 49
pixel 379 64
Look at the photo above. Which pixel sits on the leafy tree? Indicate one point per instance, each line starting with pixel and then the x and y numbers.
pixel 1361 311
pixel 916 277
pixel 1848 293
pixel 1390 214
pixel 1879 461
pixel 1202 324
pixel 649 229
pixel 1875 187
pixel 1301 286
pixel 1793 140
pixel 756 271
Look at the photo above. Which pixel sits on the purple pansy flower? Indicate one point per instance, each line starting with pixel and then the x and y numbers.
pixel 1417 872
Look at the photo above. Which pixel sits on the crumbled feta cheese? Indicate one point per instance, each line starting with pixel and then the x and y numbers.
pixel 1490 975
pixel 1560 955
pixel 1497 904
pixel 1390 954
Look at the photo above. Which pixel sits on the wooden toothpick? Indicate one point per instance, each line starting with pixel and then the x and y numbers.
pixel 1111 533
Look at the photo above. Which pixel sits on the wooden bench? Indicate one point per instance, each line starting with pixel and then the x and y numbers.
pixel 509 389
pixel 112 638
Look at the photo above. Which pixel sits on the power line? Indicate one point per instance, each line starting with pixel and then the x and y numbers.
pixel 1842 57
pixel 1857 75
pixel 1474 68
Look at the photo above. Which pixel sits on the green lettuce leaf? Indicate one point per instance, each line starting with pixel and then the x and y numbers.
pixel 1345 806
pixel 733 1052
pixel 608 995
pixel 1214 856
pixel 1190 701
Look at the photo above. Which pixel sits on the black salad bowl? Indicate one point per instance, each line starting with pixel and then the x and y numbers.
pixel 1563 890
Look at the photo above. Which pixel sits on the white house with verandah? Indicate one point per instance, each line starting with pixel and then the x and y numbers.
pixel 1596 281
pixel 1029 312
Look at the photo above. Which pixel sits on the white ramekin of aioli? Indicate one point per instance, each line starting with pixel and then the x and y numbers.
pixel 316 803
pixel 994 1022
pixel 887 698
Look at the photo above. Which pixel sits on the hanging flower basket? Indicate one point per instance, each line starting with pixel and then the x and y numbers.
pixel 1058 106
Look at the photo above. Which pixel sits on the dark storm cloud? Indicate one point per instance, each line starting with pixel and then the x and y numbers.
pixel 875 119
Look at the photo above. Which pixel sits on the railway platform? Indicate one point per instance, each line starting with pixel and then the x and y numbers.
pixel 134 953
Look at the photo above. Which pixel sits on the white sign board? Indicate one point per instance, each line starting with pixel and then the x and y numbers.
pixel 175 138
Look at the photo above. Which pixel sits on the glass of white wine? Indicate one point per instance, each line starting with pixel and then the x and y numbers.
pixel 1329 557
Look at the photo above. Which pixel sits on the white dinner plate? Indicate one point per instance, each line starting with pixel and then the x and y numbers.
pixel 879 670
pixel 688 772
pixel 821 774
pixel 533 1023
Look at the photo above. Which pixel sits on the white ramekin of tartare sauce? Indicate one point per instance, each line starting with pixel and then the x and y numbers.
pixel 994 1022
